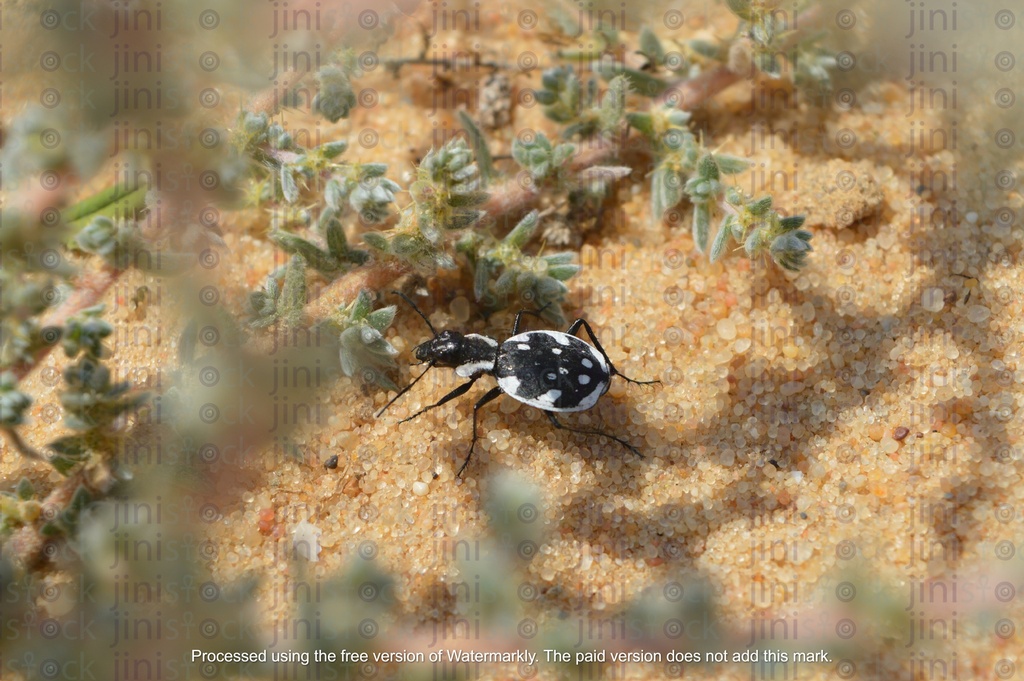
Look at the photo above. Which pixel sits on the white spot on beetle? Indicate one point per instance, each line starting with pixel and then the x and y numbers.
pixel 591 399
pixel 490 341
pixel 584 379
pixel 523 346
pixel 469 368
pixel 549 397
pixel 510 384
pixel 551 377
pixel 587 363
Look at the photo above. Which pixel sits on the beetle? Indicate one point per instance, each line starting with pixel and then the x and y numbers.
pixel 553 371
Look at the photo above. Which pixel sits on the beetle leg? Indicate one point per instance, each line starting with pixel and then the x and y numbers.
pixel 535 313
pixel 403 391
pixel 558 424
pixel 575 326
pixel 458 392
pixel 492 394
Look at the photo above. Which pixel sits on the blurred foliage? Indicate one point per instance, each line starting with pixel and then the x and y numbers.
pixel 363 348
pixel 127 457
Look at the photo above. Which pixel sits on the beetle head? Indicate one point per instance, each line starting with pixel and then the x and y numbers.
pixel 446 349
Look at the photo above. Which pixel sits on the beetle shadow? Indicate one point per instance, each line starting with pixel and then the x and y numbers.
pixel 885 383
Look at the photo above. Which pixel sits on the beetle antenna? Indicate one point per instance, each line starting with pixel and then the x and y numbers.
pixel 413 305
pixel 405 389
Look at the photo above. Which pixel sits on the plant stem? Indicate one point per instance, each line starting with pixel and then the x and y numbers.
pixel 395 65
pixel 373 276
pixel 691 93
pixel 23 447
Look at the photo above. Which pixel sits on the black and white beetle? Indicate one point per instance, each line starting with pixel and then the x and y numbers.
pixel 550 370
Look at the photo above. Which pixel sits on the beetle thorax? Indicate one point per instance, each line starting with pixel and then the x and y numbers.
pixel 468 354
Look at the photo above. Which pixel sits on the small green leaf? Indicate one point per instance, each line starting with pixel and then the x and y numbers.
pixel 363 351
pixel 754 242
pixel 377 241
pixel 371 170
pixel 79 500
pixel 333 149
pixel 642 122
pixel 741 8
pixel 24 489
pixel 334 234
pixel 481 277
pixel 706 48
pixel 721 239
pixel 707 168
pixel 563 272
pixel 64 465
pixel 382 318
pixel 289 188
pixel 760 207
pixel 480 150
pixel 730 165
pixel 293 293
pixel 463 220
pixel 336 97
pixel 71 451
pixel 639 81
pixel 613 105
pixel 444 261
pixel 406 245
pixel 792 222
pixel 736 228
pixel 666 190
pixel 562 153
pixel 563 258
pixel 651 46
pixel 790 250
pixel 506 283
pixel 317 258
pixel 467 199
pixel 545 97
pixel 334 194
pixel 13 404
pixel 522 232
pixel 701 225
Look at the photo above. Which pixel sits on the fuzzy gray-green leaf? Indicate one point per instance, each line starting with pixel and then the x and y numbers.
pixel 651 46
pixel 405 245
pixel 521 233
pixel 334 194
pixel 642 122
pixel 376 240
pixel 481 277
pixel 721 239
pixel 792 222
pixel 382 318
pixel 315 256
pixel 730 165
pixel 289 188
pixel 666 190
pixel 701 225
pixel 563 272
pixel 480 150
